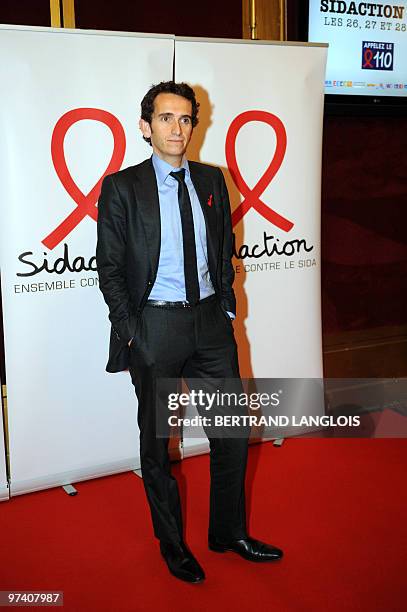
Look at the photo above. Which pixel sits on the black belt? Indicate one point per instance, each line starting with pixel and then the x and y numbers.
pixel 165 304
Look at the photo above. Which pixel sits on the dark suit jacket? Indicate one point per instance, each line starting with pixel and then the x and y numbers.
pixel 128 246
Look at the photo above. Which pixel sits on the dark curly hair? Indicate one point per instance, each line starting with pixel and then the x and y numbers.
pixel 179 89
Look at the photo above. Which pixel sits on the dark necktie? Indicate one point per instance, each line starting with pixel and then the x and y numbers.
pixel 188 239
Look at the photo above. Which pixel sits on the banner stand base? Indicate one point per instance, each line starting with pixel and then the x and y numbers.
pixel 70 490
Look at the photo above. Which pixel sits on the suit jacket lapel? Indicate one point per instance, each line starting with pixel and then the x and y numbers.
pixel 203 191
pixel 149 209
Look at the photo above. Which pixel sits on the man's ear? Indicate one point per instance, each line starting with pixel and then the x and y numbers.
pixel 145 128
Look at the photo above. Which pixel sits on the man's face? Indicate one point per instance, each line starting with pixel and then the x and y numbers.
pixel 171 127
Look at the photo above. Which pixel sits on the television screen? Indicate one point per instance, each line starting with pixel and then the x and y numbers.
pixel 367 53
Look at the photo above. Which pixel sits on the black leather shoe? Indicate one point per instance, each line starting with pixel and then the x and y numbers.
pixel 248 548
pixel 181 562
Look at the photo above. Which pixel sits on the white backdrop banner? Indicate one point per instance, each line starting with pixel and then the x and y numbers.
pixel 261 122
pixel 4 491
pixel 69 113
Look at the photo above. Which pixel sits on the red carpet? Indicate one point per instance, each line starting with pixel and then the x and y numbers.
pixel 336 507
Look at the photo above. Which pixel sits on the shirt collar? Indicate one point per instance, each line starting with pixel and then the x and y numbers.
pixel 163 168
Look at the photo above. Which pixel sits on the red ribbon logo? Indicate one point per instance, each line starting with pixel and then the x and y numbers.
pixel 85 204
pixel 368 56
pixel 252 196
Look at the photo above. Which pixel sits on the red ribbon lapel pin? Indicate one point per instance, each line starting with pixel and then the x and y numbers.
pixel 210 200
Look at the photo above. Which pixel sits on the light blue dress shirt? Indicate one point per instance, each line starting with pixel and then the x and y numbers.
pixel 170 281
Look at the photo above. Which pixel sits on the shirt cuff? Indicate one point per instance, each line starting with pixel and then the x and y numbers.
pixel 231 315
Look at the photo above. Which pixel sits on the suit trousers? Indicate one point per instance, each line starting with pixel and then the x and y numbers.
pixel 193 343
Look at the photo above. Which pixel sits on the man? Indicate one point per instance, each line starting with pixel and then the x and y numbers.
pixel 164 261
